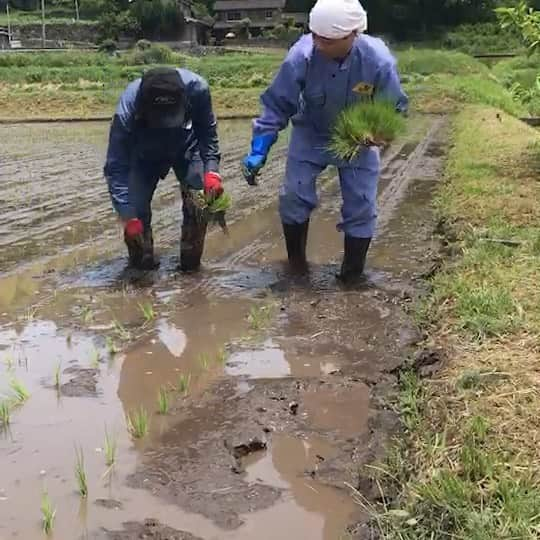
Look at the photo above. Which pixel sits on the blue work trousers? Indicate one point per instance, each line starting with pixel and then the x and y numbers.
pixel 298 194
pixel 145 175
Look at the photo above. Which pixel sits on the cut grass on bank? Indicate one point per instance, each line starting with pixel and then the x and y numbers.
pixel 468 466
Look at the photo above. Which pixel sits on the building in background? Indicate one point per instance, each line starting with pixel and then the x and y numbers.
pixel 257 15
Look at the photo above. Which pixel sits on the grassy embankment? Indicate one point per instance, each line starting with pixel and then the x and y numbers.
pixel 88 84
pixel 468 465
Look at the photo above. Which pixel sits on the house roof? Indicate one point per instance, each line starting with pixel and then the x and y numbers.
pixel 224 5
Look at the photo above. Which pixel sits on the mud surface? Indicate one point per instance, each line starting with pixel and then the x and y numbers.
pixel 278 388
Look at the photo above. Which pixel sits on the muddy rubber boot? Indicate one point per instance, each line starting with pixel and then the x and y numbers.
pixel 295 239
pixel 354 260
pixel 135 251
pixel 148 261
pixel 193 236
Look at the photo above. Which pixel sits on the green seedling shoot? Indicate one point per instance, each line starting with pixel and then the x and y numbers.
pixel 137 423
pixel 183 383
pixel 5 413
pixel 111 447
pixel 48 513
pixel 163 401
pixel 80 473
pixel 20 391
pixel 58 376
pixel 148 312
pixel 365 124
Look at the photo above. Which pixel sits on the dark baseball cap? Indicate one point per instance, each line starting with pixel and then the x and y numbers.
pixel 162 98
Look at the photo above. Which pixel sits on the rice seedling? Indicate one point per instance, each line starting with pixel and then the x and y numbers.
pixel 9 361
pixel 147 309
pixel 137 423
pixel 5 413
pixel 57 375
pixel 111 446
pixel 94 359
pixel 48 513
pixel 121 331
pixel 112 348
pixel 204 361
pixel 365 124
pixel 20 391
pixel 30 314
pixel 80 473
pixel 259 317
pixel 87 315
pixel 163 401
pixel 221 356
pixel 183 383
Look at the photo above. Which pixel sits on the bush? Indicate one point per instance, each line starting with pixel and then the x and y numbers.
pixel 430 61
pixel 482 38
pixel 108 46
pixel 154 54
pixel 143 44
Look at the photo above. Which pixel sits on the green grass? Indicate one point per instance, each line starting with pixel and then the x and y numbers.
pixel 471 492
pixel 21 394
pixel 434 61
pixel 183 383
pixel 80 473
pixel 110 447
pixel 48 513
pixel 138 423
pixel 447 93
pixel 164 401
pixel 465 468
pixel 5 413
pixel 365 124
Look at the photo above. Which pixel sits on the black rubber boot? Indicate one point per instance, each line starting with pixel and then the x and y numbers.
pixel 354 260
pixel 193 236
pixel 141 251
pixel 135 250
pixel 296 239
pixel 148 261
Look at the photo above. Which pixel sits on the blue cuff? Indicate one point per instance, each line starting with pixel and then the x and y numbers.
pixel 261 144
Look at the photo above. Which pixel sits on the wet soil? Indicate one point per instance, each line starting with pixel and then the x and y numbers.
pixel 289 380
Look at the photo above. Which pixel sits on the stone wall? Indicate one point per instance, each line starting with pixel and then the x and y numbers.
pixel 56 32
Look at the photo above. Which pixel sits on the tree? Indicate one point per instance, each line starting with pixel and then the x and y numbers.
pixel 526 20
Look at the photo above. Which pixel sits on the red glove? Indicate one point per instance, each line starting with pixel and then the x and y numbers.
pixel 133 227
pixel 212 184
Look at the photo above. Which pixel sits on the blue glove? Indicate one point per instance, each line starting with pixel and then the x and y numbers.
pixel 256 159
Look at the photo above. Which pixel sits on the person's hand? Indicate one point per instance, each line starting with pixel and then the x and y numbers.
pixel 256 159
pixel 251 166
pixel 133 228
pixel 212 184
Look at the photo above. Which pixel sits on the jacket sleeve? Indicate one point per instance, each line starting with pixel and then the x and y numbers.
pixel 389 88
pixel 205 128
pixel 281 100
pixel 117 164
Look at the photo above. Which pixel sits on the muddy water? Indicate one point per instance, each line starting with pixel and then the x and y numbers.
pixel 65 297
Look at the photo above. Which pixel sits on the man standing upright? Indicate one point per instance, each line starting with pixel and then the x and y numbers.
pixel 327 70
pixel 163 120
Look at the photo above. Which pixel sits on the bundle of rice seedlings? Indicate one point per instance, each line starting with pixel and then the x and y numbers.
pixel 213 209
pixel 365 124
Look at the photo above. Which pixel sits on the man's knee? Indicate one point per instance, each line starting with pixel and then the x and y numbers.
pixel 359 216
pixel 292 209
